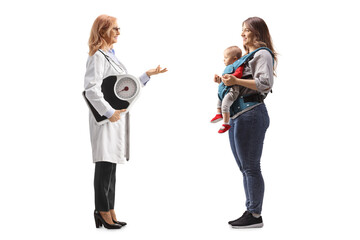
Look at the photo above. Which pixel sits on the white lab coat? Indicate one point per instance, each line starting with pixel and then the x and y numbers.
pixel 108 141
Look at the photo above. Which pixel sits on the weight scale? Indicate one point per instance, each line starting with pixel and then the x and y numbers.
pixel 120 92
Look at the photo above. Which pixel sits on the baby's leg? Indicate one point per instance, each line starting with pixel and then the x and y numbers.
pixel 219 106
pixel 228 100
pixel 226 116
pixel 218 117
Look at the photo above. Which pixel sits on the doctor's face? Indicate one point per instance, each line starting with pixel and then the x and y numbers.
pixel 111 38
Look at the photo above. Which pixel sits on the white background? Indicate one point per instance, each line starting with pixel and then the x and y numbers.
pixel 182 181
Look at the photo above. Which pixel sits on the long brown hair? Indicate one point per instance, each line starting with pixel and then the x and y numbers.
pixel 262 37
pixel 101 27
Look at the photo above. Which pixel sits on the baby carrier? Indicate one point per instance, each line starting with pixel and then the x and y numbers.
pixel 239 104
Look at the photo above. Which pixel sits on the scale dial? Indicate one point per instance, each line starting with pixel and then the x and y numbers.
pixel 126 87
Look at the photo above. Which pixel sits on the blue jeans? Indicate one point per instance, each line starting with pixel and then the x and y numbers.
pixel 246 136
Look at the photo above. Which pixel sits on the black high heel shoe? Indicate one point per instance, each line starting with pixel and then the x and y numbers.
pixel 99 221
pixel 120 223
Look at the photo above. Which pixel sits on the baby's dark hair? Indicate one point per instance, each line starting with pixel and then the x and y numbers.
pixel 234 51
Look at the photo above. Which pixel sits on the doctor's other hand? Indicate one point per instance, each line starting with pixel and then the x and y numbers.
pixel 217 78
pixel 155 71
pixel 229 80
pixel 116 116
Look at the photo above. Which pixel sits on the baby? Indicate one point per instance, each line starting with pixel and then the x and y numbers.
pixel 231 54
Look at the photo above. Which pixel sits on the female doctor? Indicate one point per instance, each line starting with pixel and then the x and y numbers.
pixel 108 141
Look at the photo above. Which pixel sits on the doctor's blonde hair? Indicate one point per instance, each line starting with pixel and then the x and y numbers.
pixel 101 26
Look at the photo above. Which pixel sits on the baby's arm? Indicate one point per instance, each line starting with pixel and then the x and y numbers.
pixel 238 72
pixel 217 79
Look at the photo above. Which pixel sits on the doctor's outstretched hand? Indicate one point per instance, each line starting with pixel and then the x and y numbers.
pixel 155 71
pixel 116 116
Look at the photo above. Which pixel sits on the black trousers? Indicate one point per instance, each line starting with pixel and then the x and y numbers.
pixel 104 185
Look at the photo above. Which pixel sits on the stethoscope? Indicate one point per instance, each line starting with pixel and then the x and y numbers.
pixel 113 63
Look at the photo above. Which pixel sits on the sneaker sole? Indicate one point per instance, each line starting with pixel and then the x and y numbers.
pixel 217 120
pixel 258 225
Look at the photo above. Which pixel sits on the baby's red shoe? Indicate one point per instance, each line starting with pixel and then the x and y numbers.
pixel 224 128
pixel 217 118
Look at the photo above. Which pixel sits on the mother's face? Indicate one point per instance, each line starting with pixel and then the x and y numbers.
pixel 247 35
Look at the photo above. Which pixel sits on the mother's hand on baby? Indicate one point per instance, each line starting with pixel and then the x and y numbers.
pixel 229 80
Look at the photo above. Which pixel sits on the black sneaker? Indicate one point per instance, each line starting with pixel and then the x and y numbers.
pixel 230 222
pixel 247 220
